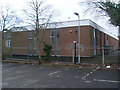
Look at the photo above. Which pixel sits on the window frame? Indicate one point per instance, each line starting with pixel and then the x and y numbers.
pixel 8 43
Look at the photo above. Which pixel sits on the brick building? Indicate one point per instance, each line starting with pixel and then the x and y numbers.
pixel 61 36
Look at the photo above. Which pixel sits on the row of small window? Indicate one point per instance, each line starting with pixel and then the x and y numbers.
pixel 8 43
pixel 30 35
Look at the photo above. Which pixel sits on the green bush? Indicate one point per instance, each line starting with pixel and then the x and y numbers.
pixel 47 49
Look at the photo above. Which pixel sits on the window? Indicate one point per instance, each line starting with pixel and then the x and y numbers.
pixel 95 41
pixel 58 42
pixel 30 46
pixel 52 41
pixel 35 52
pixel 35 35
pixel 35 42
pixel 8 43
pixel 35 46
pixel 30 52
pixel 30 35
pixel 52 35
pixel 107 37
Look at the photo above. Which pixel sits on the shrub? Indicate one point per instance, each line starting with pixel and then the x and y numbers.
pixel 47 49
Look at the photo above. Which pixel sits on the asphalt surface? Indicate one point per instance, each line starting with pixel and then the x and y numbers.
pixel 16 75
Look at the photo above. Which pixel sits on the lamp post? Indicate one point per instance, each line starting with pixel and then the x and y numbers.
pixel 74 51
pixel 77 14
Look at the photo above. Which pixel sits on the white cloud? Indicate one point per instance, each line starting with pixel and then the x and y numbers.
pixel 66 8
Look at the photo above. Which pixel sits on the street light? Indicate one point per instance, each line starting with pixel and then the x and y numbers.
pixel 77 14
pixel 74 52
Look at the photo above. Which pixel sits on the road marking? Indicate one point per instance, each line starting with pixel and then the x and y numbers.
pixel 29 82
pixel 88 74
pixel 8 69
pixel 12 78
pixel 12 68
pixel 91 72
pixel 88 81
pixel 83 78
pixel 57 71
pixel 97 68
pixel 106 81
pixel 66 68
pixel 76 76
pixel 58 76
pixel 41 67
pixel 54 72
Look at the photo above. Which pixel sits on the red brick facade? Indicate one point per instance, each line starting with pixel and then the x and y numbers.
pixel 91 41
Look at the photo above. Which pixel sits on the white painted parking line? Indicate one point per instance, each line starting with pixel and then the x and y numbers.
pixel 9 69
pixel 83 78
pixel 88 81
pixel 97 68
pixel 106 81
pixel 88 74
pixel 66 68
pixel 29 82
pixel 99 80
pixel 11 78
pixel 76 76
pixel 54 72
pixel 57 71
pixel 58 76
pixel 41 67
pixel 91 72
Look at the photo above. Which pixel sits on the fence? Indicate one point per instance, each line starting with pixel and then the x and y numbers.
pixel 104 55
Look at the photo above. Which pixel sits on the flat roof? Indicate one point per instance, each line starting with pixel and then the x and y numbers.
pixel 84 22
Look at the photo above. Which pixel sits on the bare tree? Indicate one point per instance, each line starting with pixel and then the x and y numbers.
pixel 39 15
pixel 8 18
pixel 106 8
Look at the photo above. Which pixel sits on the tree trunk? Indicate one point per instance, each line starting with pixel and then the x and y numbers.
pixel 38 47
pixel 39 54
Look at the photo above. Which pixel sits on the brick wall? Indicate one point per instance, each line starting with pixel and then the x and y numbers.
pixel 63 41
